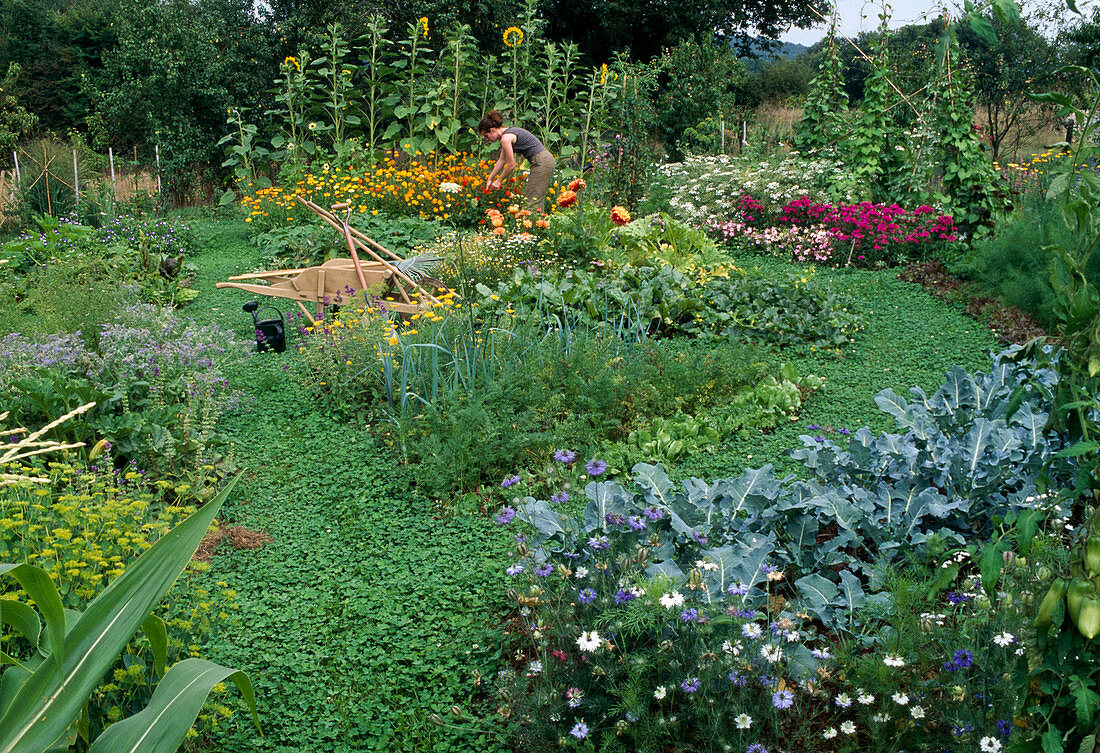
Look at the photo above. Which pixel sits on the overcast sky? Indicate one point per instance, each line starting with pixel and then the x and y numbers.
pixel 862 15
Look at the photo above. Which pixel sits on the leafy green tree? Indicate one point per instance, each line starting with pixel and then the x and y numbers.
pixel 695 81
pixel 177 70
pixel 15 121
pixel 55 43
pixel 1020 60
pixel 602 27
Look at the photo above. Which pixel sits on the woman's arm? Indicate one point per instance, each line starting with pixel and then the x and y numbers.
pixel 506 162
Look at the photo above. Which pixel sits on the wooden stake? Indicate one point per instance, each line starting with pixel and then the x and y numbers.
pixel 18 178
pixel 76 181
pixel 114 185
pixel 46 169
pixel 157 148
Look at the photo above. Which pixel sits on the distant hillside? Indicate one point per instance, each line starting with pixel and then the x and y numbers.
pixel 763 54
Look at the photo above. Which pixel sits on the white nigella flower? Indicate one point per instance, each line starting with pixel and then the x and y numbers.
pixel 916 712
pixel 589 641
pixel 893 661
pixel 1004 639
pixel 674 599
pixel 742 721
pixel 582 572
pixel 900 698
pixel 771 653
pixel 865 699
pixel 848 728
pixel 843 700
pixel 990 745
pixel 829 734
pixel 660 692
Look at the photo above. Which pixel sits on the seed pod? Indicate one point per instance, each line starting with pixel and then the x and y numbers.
pixel 1078 590
pixel 1088 619
pixel 1054 595
pixel 1044 574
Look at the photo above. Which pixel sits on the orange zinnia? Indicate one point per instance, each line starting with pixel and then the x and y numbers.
pixel 577 184
pixel 619 215
pixel 567 199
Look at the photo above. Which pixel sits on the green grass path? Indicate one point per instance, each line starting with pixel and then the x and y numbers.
pixel 368 611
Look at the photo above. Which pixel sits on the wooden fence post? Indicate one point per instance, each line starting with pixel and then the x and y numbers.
pixel 114 185
pixel 157 149
pixel 18 177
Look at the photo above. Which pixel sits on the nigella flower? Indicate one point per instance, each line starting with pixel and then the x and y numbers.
pixel 587 596
pixel 782 699
pixel 738 679
pixel 579 731
pixel 690 615
pixel 515 569
pixel 595 467
pixel 510 481
pixel 957 598
pixel 1004 727
pixel 653 513
pixel 700 538
pixel 756 748
pixel 544 569
pixel 559 498
pixel 821 653
pixel 961 660
pixel 565 456
pixel 1004 639
pixel 599 542
pixel 739 589
pixel 635 523
pixel 506 515
pixel 691 684
pixel 622 596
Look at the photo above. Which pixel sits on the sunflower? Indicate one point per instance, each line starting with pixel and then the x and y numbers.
pixel 290 60
pixel 513 36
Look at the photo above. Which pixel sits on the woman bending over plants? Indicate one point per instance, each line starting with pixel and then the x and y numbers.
pixel 519 141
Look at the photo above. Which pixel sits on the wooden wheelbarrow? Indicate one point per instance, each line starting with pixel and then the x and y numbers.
pixel 401 284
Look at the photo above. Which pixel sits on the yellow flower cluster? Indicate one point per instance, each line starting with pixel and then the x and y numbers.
pixel 84 528
pixel 430 187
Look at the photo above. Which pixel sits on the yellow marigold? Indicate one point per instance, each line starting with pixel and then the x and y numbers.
pixel 513 36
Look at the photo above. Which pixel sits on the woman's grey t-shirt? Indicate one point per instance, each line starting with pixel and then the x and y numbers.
pixel 527 144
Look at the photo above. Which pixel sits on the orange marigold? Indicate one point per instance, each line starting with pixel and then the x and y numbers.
pixel 567 199
pixel 577 184
pixel 619 215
